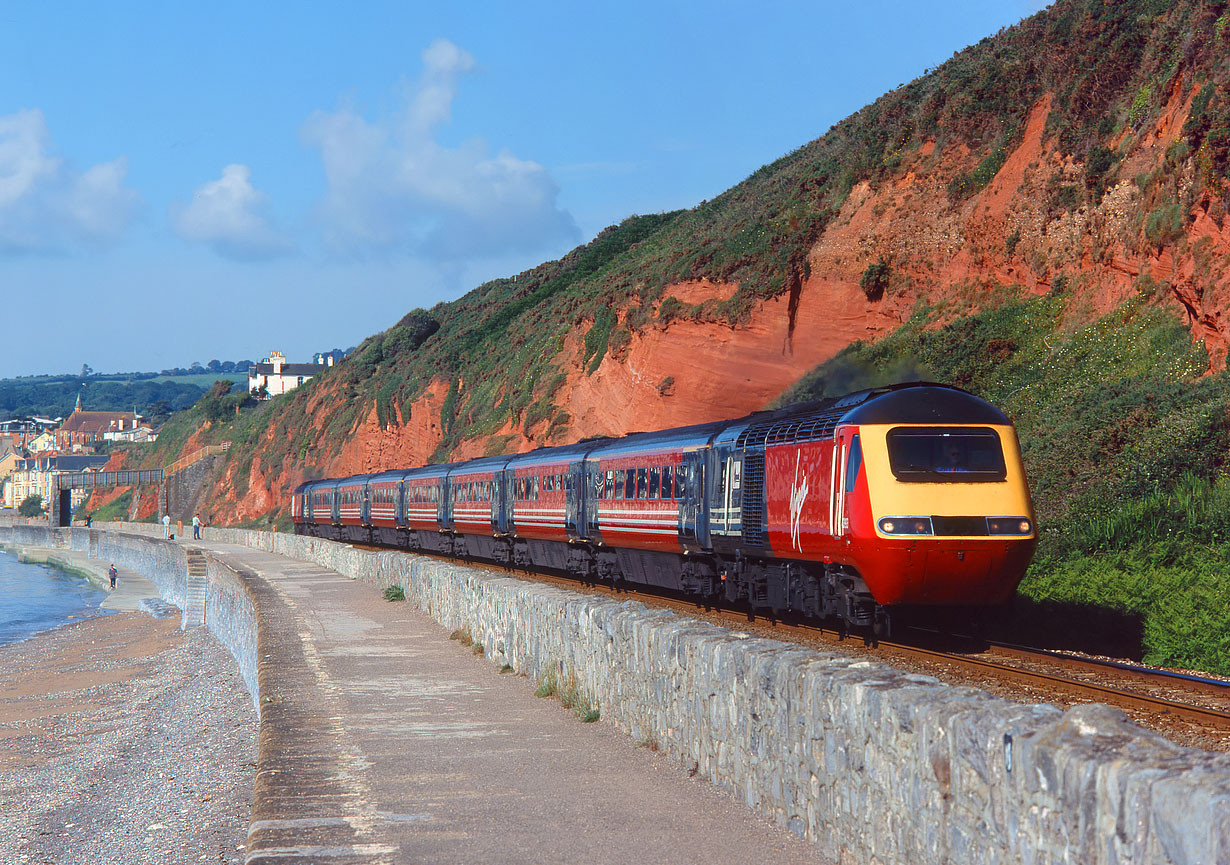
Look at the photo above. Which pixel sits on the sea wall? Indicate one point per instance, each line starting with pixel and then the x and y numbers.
pixel 872 764
pixel 230 609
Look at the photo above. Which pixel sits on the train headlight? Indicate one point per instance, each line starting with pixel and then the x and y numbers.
pixel 1009 526
pixel 906 526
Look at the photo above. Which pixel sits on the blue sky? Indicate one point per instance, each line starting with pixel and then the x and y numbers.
pixel 182 182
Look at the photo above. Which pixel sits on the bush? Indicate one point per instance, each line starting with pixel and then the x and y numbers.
pixel 1164 225
pixel 1125 440
pixel 875 280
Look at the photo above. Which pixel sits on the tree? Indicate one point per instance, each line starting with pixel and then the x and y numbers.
pixel 214 366
pixel 31 507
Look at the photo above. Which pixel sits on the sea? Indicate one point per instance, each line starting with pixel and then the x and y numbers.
pixel 35 598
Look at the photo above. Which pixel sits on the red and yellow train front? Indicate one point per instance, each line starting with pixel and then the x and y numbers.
pixel 925 514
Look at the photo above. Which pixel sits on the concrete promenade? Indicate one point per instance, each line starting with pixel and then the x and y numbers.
pixel 133 591
pixel 382 740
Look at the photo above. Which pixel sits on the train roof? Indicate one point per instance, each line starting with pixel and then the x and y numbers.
pixel 907 402
pixel 924 403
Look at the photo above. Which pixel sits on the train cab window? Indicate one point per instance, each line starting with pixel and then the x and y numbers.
pixel 946 455
pixel 655 481
pixel 853 463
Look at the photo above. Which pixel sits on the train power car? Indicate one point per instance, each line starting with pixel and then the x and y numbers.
pixel 901 496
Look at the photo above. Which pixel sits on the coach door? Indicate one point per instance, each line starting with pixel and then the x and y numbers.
pixel 847 459
pixel 444 507
pixel 575 499
pixel 501 502
pixel 693 533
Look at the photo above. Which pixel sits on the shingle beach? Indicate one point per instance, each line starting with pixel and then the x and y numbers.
pixel 124 740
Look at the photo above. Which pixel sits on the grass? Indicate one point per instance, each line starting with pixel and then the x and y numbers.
pixel 116 509
pixel 567 687
pixel 1126 443
pixel 394 593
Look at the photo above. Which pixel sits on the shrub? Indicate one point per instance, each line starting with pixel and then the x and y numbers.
pixel 1164 225
pixel 1010 243
pixel 875 280
pixel 31 506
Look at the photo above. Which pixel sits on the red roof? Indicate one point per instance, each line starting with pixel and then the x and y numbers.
pixel 96 421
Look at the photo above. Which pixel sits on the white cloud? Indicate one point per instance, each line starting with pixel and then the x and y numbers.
pixel 46 205
pixel 231 215
pixel 392 187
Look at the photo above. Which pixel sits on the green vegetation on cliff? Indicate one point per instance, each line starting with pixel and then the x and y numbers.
pixel 1127 450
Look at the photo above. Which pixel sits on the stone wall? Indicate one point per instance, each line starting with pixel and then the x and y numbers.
pixel 872 764
pixel 183 489
pixel 230 612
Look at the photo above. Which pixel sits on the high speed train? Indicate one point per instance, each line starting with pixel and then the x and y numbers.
pixel 901 496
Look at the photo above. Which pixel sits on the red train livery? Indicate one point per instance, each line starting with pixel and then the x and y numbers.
pixel 912 494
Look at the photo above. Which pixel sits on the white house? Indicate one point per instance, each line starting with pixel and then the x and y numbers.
pixel 278 377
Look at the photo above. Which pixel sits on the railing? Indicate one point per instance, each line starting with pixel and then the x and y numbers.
pixel 196 456
pixel 89 480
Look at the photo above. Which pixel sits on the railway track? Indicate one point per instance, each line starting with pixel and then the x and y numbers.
pixel 1127 697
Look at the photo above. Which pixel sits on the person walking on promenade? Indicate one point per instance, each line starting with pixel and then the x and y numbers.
pixel 112 573
pixel 196 527
pixel 166 525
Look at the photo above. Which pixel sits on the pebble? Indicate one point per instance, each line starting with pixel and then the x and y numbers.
pixel 155 766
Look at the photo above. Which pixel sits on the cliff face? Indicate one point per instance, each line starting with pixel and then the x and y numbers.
pixel 1089 190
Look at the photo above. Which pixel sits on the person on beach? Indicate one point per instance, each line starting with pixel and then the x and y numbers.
pixel 196 527
pixel 112 573
pixel 166 525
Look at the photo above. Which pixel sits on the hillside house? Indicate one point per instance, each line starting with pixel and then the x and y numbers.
pixel 277 376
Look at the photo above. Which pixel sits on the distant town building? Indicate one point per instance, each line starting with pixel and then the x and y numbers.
pixel 44 441
pixel 276 376
pixel 8 462
pixel 36 477
pixel 84 429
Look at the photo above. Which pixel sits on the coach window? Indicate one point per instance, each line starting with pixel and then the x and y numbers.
pixel 655 481
pixel 642 482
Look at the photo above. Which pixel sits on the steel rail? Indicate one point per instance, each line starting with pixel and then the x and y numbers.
pixel 1119 696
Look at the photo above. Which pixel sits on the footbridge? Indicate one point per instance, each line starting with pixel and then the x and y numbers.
pixel 60 512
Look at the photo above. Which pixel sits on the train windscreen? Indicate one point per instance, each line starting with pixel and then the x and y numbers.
pixel 945 454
